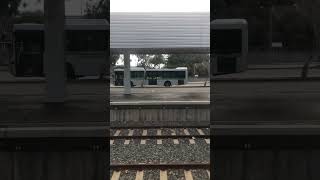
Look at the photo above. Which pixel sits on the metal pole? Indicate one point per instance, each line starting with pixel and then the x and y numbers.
pixel 54 63
pixel 270 27
pixel 127 80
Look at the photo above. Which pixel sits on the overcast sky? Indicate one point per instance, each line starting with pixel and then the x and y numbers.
pixel 160 5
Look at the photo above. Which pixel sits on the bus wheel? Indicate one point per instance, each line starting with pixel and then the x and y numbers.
pixel 70 71
pixel 167 84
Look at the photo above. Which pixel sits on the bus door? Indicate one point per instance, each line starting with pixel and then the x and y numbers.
pixel 11 56
pixel 29 53
pixel 119 76
pixel 152 77
pixel 86 51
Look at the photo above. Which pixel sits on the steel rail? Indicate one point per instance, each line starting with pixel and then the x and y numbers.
pixel 159 136
pixel 140 166
pixel 158 127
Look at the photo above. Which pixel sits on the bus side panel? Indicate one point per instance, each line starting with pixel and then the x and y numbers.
pixel 137 82
pixel 28 53
pixel 12 63
pixel 30 64
pixel 172 81
pixel 87 64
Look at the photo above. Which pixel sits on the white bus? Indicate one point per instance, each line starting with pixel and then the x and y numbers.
pixel 85 48
pixel 160 77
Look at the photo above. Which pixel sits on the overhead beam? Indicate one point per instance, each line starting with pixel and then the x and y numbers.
pixel 195 50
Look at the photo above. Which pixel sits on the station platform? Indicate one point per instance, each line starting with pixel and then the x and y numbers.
pixel 282 72
pixel 24 110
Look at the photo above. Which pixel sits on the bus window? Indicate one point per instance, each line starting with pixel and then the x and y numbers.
pixel 173 74
pixel 30 41
pixel 97 41
pixel 150 75
pixel 180 74
pixel 154 74
pixel 86 44
pixel 227 41
pixel 86 41
pixel 119 74
pixel 166 74
pixel 28 52
pixel 137 74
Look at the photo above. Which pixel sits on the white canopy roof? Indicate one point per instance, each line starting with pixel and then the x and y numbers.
pixel 160 32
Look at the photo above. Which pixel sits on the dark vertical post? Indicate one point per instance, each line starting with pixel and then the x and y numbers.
pixel 54 63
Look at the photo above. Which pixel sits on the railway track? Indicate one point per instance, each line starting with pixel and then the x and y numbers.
pixel 188 171
pixel 171 140
pixel 159 134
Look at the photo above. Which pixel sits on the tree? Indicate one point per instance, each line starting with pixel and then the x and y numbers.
pixel 187 60
pixel 150 61
pixel 30 17
pixel 156 61
pixel 9 7
pixel 311 8
pixel 114 58
pixel 99 9
pixel 259 14
pixel 143 60
pixel 293 29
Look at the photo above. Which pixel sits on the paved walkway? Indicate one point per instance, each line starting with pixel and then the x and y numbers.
pixel 25 103
pixel 272 72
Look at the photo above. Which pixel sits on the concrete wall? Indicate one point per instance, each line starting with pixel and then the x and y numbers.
pixel 4 59
pixel 52 159
pixel 160 114
pixel 266 157
pixel 53 165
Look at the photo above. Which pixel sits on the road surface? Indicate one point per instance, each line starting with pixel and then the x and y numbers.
pixel 162 94
pixel 233 102
pixel 266 102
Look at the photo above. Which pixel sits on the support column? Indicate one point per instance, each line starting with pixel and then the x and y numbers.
pixel 127 78
pixel 54 63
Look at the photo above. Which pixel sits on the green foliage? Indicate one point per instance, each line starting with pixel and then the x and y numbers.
pixel 114 58
pixel 156 61
pixel 290 25
pixel 100 9
pixel 150 61
pixel 143 60
pixel 30 17
pixel 294 29
pixel 9 7
pixel 196 63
